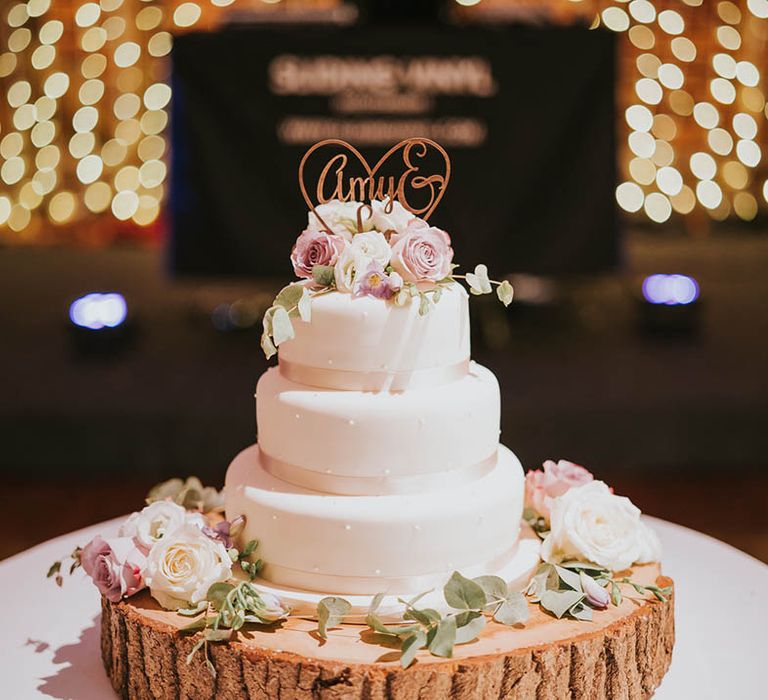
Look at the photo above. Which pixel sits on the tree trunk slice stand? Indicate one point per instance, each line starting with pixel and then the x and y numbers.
pixel 623 653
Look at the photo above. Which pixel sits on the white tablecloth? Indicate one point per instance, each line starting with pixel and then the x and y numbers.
pixel 49 640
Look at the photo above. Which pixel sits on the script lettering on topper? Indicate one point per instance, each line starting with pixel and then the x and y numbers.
pixel 336 181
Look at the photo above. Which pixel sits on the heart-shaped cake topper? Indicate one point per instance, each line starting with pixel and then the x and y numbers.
pixel 336 182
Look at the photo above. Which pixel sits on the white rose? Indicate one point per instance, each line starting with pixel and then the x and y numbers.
pixel 156 520
pixel 345 268
pixel 370 247
pixel 590 523
pixel 183 565
pixel 395 220
pixel 340 217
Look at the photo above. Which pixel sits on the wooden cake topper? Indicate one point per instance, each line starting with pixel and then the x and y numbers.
pixel 336 182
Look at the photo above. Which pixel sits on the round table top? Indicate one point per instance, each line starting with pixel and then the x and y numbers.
pixel 49 646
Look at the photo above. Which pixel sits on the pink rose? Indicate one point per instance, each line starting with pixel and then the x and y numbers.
pixel 315 248
pixel 422 253
pixel 555 479
pixel 115 566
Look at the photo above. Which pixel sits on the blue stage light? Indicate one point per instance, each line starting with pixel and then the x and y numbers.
pixel 670 290
pixel 97 311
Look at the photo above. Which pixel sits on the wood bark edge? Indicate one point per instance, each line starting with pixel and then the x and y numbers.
pixel 146 660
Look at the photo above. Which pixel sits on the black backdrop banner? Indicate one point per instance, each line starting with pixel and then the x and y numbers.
pixel 526 114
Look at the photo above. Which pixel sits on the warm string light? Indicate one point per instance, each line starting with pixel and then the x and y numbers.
pixel 698 107
pixel 82 130
pixel 84 107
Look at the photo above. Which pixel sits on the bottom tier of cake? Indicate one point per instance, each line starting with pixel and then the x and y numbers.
pixel 398 544
pixel 623 652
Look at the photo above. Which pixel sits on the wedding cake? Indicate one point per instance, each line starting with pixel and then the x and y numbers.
pixel 378 507
pixel 378 466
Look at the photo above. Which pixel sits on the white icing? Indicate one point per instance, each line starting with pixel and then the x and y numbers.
pixel 420 431
pixel 302 549
pixel 385 337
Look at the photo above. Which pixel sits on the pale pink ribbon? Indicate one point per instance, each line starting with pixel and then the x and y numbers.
pixel 373 380
pixel 373 485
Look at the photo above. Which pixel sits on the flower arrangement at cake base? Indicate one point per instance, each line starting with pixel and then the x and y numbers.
pixel 184 614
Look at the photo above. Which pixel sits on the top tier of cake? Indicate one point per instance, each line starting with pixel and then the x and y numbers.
pixel 365 344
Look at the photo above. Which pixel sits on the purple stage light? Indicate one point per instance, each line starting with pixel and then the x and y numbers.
pixel 97 310
pixel 670 290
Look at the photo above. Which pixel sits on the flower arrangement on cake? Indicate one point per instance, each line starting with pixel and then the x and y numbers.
pixel 377 474
pixel 380 250
pixel 181 549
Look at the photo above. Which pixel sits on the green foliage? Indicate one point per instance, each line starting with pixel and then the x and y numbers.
pixel 478 280
pixel 464 594
pixel 54 571
pixel 558 588
pixel 290 302
pixel 234 605
pixel 251 568
pixel 505 292
pixel 330 613
pixel 189 493
pixel 323 275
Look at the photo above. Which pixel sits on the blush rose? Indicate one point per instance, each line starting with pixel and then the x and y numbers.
pixel 422 253
pixel 315 248
pixel 553 480
pixel 115 566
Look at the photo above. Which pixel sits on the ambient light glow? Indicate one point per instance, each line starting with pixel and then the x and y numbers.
pixel 97 311
pixel 84 106
pixel 671 290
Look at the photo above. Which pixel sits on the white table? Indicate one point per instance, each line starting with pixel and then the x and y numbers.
pixel 49 640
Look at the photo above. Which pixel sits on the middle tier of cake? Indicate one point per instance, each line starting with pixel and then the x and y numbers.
pixel 398 543
pixel 368 443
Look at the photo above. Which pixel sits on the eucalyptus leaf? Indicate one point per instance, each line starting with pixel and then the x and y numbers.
pixel 305 306
pixel 437 294
pixel 375 603
pixel 195 649
pixel 560 602
pixel 581 612
pixel 423 304
pixel 426 617
pixel 616 596
pixel 288 297
pixel 324 275
pixel 266 336
pixel 196 625
pixel 55 568
pixel 218 635
pixel 585 566
pixel 505 293
pixel 374 622
pixel 445 637
pixel 330 613
pixel 211 668
pixel 569 578
pixel 416 598
pixel 250 547
pixel 282 328
pixel 218 593
pixel 192 612
pixel 464 594
pixel 513 610
pixel 478 280
pixel 411 644
pixel 470 630
pixel 495 587
pixel 545 578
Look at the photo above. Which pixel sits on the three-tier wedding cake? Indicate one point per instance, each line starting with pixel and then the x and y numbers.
pixel 378 493
pixel 378 466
